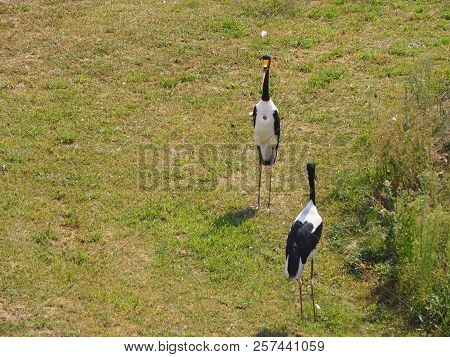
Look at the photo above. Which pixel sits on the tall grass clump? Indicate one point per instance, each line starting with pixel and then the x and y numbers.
pixel 398 205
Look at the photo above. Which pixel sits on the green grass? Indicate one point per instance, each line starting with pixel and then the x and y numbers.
pixel 88 247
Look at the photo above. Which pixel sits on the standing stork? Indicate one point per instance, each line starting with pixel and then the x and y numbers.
pixel 303 239
pixel 266 124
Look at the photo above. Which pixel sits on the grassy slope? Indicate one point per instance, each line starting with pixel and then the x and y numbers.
pixel 84 85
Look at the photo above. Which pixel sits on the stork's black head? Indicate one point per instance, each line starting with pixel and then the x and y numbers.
pixel 311 168
pixel 266 59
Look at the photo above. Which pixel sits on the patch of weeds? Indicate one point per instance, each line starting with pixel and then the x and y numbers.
pixel 151 214
pixel 245 303
pixel 400 50
pixel 8 328
pixel 353 265
pixel 320 117
pixel 353 7
pixel 67 138
pixel 184 5
pixel 320 12
pixel 138 77
pixel 59 195
pixel 325 77
pixel 6 85
pixel 45 237
pixel 232 85
pixel 162 43
pixel 443 41
pixel 305 67
pixel 396 71
pixel 56 85
pixel 445 15
pixel 385 273
pixel 80 258
pixel 336 53
pixel 365 56
pixel 398 5
pixel 303 43
pixel 72 220
pixel 92 237
pixel 127 301
pixel 187 77
pixel 259 44
pixel 340 233
pixel 269 8
pixel 168 83
pixel 419 13
pixel 280 331
pixel 231 28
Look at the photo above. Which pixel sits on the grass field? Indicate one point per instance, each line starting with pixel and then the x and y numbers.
pixel 89 89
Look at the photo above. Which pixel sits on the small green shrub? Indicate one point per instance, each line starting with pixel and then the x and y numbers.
pixel 399 200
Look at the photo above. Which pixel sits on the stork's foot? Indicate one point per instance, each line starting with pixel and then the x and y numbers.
pixel 256 207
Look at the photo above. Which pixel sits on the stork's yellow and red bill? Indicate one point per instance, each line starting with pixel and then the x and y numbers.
pixel 265 62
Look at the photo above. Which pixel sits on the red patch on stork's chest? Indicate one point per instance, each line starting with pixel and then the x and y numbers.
pixel 265 117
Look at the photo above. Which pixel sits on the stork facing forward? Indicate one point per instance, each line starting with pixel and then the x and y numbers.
pixel 303 239
pixel 266 124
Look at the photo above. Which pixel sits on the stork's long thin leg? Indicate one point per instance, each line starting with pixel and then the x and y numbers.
pixel 270 179
pixel 312 287
pixel 300 296
pixel 259 185
pixel 270 186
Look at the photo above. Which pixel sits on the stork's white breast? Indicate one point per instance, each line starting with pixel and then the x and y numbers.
pixel 265 124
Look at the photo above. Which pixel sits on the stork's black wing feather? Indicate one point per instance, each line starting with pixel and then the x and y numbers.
pixel 276 116
pixel 302 241
pixel 254 116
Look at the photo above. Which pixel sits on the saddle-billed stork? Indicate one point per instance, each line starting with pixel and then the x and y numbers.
pixel 266 124
pixel 303 239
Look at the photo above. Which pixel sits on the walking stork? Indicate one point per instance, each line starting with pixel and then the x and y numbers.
pixel 303 239
pixel 266 124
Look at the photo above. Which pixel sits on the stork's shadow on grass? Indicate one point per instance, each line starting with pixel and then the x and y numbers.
pixel 234 218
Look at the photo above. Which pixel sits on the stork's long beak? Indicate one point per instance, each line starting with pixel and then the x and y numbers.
pixel 265 64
